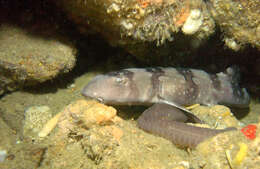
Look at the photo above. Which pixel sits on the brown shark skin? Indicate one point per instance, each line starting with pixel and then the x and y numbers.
pixel 160 121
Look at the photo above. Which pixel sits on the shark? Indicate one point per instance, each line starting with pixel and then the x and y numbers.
pixel 169 86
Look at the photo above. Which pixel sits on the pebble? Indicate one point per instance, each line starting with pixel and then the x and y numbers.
pixel 35 118
pixel 3 154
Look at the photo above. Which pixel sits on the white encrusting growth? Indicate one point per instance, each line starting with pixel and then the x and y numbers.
pixel 113 8
pixel 127 25
pixel 231 43
pixel 3 154
pixel 193 22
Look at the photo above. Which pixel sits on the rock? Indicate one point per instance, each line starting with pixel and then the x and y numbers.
pixel 7 136
pixel 140 25
pixel 27 59
pixel 92 134
pixel 239 21
pixel 81 113
pixel 86 114
pixel 35 118
pixel 228 150
pixel 216 116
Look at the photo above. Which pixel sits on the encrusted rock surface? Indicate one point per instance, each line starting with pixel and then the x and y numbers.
pixel 228 150
pixel 239 20
pixel 168 31
pixel 119 143
pixel 136 24
pixel 27 59
pixel 86 114
pixel 93 135
pixel 141 26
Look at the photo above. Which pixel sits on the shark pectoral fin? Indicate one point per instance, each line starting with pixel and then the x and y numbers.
pixel 191 117
pixel 166 112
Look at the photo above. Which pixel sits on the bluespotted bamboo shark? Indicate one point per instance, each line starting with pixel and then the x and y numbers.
pixel 177 87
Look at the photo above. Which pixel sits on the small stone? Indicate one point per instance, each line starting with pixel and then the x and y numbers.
pixel 35 118
pixel 3 154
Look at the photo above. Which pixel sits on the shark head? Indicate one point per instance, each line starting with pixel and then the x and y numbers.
pixel 112 88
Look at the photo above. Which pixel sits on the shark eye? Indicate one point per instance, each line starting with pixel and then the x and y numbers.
pixel 119 79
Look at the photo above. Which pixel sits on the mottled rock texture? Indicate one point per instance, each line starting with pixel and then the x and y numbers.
pixel 143 27
pixel 27 59
pixel 239 20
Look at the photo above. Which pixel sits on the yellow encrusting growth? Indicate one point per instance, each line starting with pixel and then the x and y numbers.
pixel 192 106
pixel 51 124
pixel 240 156
pixel 226 113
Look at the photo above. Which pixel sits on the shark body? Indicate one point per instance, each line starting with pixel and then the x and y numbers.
pixel 175 86
pixel 169 89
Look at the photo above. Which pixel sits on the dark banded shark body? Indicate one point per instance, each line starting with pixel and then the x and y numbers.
pixel 175 86
pixel 170 89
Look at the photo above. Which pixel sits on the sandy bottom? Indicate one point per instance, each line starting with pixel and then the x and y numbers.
pixel 26 151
